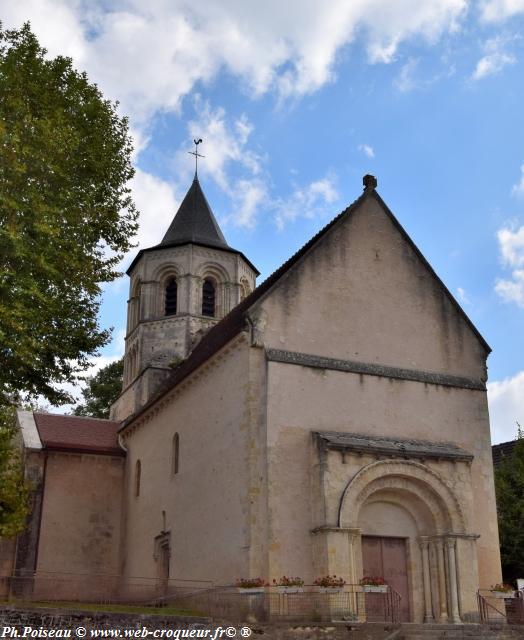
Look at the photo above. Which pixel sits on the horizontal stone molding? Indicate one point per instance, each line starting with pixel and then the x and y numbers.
pixel 369 369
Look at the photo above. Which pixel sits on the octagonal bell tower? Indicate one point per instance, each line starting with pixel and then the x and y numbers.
pixel 178 290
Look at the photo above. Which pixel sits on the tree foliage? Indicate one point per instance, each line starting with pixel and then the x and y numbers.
pixel 66 218
pixel 13 489
pixel 66 215
pixel 101 391
pixel 509 485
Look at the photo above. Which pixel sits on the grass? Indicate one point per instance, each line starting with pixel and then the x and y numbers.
pixel 107 608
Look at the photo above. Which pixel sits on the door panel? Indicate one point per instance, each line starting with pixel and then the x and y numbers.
pixel 387 557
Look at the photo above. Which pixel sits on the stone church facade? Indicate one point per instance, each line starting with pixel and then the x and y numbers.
pixel 332 420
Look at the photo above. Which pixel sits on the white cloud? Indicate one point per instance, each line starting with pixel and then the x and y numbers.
pixel 157 203
pixel 493 63
pixel 226 150
pixel 225 143
pixel 499 10
pixel 506 407
pixel 495 58
pixel 405 81
pixel 462 296
pixel 367 150
pixel 307 202
pixel 511 246
pixel 518 189
pixel 249 196
pixel 150 55
pixel 512 290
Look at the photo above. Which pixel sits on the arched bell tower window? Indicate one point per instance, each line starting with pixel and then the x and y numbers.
pixel 171 297
pixel 208 298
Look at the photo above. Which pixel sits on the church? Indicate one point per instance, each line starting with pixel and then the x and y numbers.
pixel 332 420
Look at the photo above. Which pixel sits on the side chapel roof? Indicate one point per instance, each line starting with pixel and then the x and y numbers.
pixel 79 434
pixel 235 321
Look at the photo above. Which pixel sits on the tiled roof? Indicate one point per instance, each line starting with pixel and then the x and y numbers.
pixel 234 322
pixel 194 221
pixel 397 447
pixel 501 451
pixel 73 433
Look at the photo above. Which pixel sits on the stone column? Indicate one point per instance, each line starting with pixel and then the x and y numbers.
pixel 452 566
pixel 341 546
pixel 439 548
pixel 424 546
pixel 148 299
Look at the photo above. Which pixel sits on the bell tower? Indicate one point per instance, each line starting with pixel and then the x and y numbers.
pixel 178 290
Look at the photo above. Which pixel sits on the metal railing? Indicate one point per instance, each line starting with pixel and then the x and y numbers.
pixel 497 609
pixel 94 588
pixel 351 603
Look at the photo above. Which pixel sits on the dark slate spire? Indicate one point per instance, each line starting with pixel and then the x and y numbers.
pixel 194 221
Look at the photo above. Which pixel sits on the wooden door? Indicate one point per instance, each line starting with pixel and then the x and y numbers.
pixel 387 557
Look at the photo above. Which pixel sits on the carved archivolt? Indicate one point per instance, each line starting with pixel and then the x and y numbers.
pixel 213 270
pixel 416 486
pixel 164 272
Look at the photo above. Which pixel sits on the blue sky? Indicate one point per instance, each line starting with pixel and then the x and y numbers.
pixel 295 102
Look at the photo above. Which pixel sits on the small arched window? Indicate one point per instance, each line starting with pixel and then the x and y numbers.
pixel 208 298
pixel 175 454
pixel 171 295
pixel 138 473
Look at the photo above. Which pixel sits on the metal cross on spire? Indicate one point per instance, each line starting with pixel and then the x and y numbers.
pixel 196 154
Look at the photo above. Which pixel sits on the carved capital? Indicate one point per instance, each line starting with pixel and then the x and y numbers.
pixel 258 321
pixel 423 542
pixel 450 543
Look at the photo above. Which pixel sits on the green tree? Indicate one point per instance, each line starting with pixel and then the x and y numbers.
pixel 509 485
pixel 66 216
pixel 101 391
pixel 13 489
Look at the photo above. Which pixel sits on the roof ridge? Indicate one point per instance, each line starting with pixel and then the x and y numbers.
pixel 432 271
pixel 72 415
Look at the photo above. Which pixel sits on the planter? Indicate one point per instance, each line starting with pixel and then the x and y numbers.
pixel 330 589
pixel 282 589
pixel 251 590
pixel 375 588
pixel 503 594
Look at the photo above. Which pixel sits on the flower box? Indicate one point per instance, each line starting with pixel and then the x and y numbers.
pixel 296 589
pixel 330 589
pixel 375 588
pixel 250 590
pixel 503 594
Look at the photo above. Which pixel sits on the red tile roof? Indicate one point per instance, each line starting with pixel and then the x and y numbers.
pixel 73 433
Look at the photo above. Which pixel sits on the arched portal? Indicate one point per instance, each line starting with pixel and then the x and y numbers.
pixel 408 520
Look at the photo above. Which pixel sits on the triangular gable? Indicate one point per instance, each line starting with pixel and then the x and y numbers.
pixel 225 330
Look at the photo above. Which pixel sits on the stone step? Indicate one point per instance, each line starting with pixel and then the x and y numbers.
pixel 445 632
